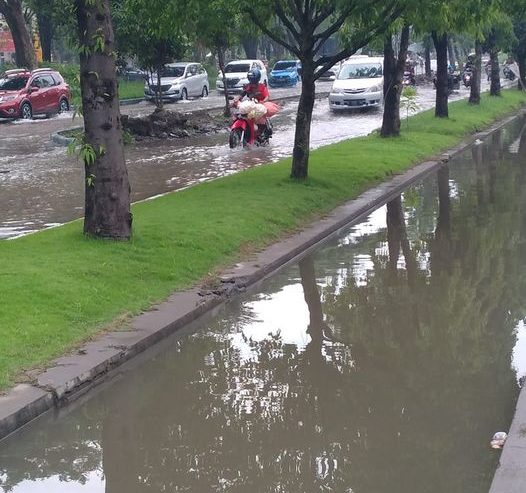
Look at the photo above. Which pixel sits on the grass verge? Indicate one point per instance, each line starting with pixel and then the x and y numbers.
pixel 131 89
pixel 58 288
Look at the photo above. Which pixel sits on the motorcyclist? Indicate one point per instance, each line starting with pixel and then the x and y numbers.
pixel 254 89
pixel 259 92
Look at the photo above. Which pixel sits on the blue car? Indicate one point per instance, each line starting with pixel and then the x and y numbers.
pixel 285 73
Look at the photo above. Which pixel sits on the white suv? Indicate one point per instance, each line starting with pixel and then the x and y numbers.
pixel 236 75
pixel 179 81
pixel 359 84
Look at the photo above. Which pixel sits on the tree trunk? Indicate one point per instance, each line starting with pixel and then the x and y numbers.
pixel 393 75
pixel 158 94
pixel 474 95
pixel 107 189
pixel 45 32
pixel 24 50
pixel 451 52
pixel 521 84
pixel 300 153
pixel 427 62
pixel 494 88
pixel 250 45
pixel 441 105
pixel 221 61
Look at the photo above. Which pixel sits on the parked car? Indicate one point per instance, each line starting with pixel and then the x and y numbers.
pixel 236 75
pixel 285 73
pixel 330 74
pixel 40 92
pixel 359 84
pixel 179 81
pixel 131 73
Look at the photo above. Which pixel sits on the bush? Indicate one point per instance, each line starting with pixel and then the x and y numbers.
pixel 71 74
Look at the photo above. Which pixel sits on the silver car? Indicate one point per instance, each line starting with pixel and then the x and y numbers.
pixel 179 81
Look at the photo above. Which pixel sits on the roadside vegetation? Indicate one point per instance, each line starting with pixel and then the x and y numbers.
pixel 59 288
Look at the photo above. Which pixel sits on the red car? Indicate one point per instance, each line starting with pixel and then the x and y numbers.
pixel 40 92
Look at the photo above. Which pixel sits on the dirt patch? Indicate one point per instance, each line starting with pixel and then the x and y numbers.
pixel 166 124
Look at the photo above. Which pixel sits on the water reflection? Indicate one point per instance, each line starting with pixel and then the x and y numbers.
pixel 381 363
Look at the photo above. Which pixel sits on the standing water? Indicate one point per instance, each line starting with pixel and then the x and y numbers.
pixel 384 362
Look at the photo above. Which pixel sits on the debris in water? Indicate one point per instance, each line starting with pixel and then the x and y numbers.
pixel 498 440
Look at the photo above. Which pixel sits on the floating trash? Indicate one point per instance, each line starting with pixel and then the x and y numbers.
pixel 498 440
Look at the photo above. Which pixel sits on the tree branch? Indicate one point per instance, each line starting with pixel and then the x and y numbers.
pixel 327 62
pixel 286 21
pixel 335 27
pixel 271 34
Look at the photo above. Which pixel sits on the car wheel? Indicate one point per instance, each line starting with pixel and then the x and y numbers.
pixel 184 94
pixel 26 112
pixel 204 94
pixel 63 105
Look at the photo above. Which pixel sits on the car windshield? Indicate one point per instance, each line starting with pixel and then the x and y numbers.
pixel 284 65
pixel 237 67
pixel 361 71
pixel 13 83
pixel 177 71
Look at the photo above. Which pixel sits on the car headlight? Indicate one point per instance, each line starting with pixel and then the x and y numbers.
pixel 337 90
pixel 3 99
pixel 376 88
pixel 244 81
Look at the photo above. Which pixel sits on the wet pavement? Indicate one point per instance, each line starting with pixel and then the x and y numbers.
pixel 383 362
pixel 42 185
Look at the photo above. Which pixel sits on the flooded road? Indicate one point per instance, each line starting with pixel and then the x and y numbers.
pixel 384 362
pixel 41 185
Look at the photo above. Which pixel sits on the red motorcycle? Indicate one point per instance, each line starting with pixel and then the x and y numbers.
pixel 251 124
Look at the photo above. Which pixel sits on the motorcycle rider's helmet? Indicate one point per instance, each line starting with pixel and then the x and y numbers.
pixel 254 76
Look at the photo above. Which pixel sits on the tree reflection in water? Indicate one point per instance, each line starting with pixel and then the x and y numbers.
pixel 404 375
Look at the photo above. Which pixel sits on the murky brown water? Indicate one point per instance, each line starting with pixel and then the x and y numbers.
pixel 41 185
pixel 382 363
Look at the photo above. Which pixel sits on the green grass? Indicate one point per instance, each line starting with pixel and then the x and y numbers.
pixel 131 89
pixel 58 288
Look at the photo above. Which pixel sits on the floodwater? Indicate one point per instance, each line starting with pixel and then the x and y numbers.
pixel 42 185
pixel 383 362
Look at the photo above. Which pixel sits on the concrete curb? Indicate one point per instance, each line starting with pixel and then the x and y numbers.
pixel 71 376
pixel 126 102
pixel 61 140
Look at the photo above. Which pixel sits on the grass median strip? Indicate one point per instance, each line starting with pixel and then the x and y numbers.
pixel 58 288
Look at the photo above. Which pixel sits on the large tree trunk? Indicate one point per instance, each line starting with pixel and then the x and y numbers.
pixel 474 95
pixel 250 45
pixel 107 189
pixel 494 88
pixel 441 105
pixel 24 50
pixel 300 153
pixel 393 75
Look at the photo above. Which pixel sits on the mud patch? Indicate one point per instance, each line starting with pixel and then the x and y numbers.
pixel 166 124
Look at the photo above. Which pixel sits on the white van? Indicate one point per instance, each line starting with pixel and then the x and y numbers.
pixel 359 84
